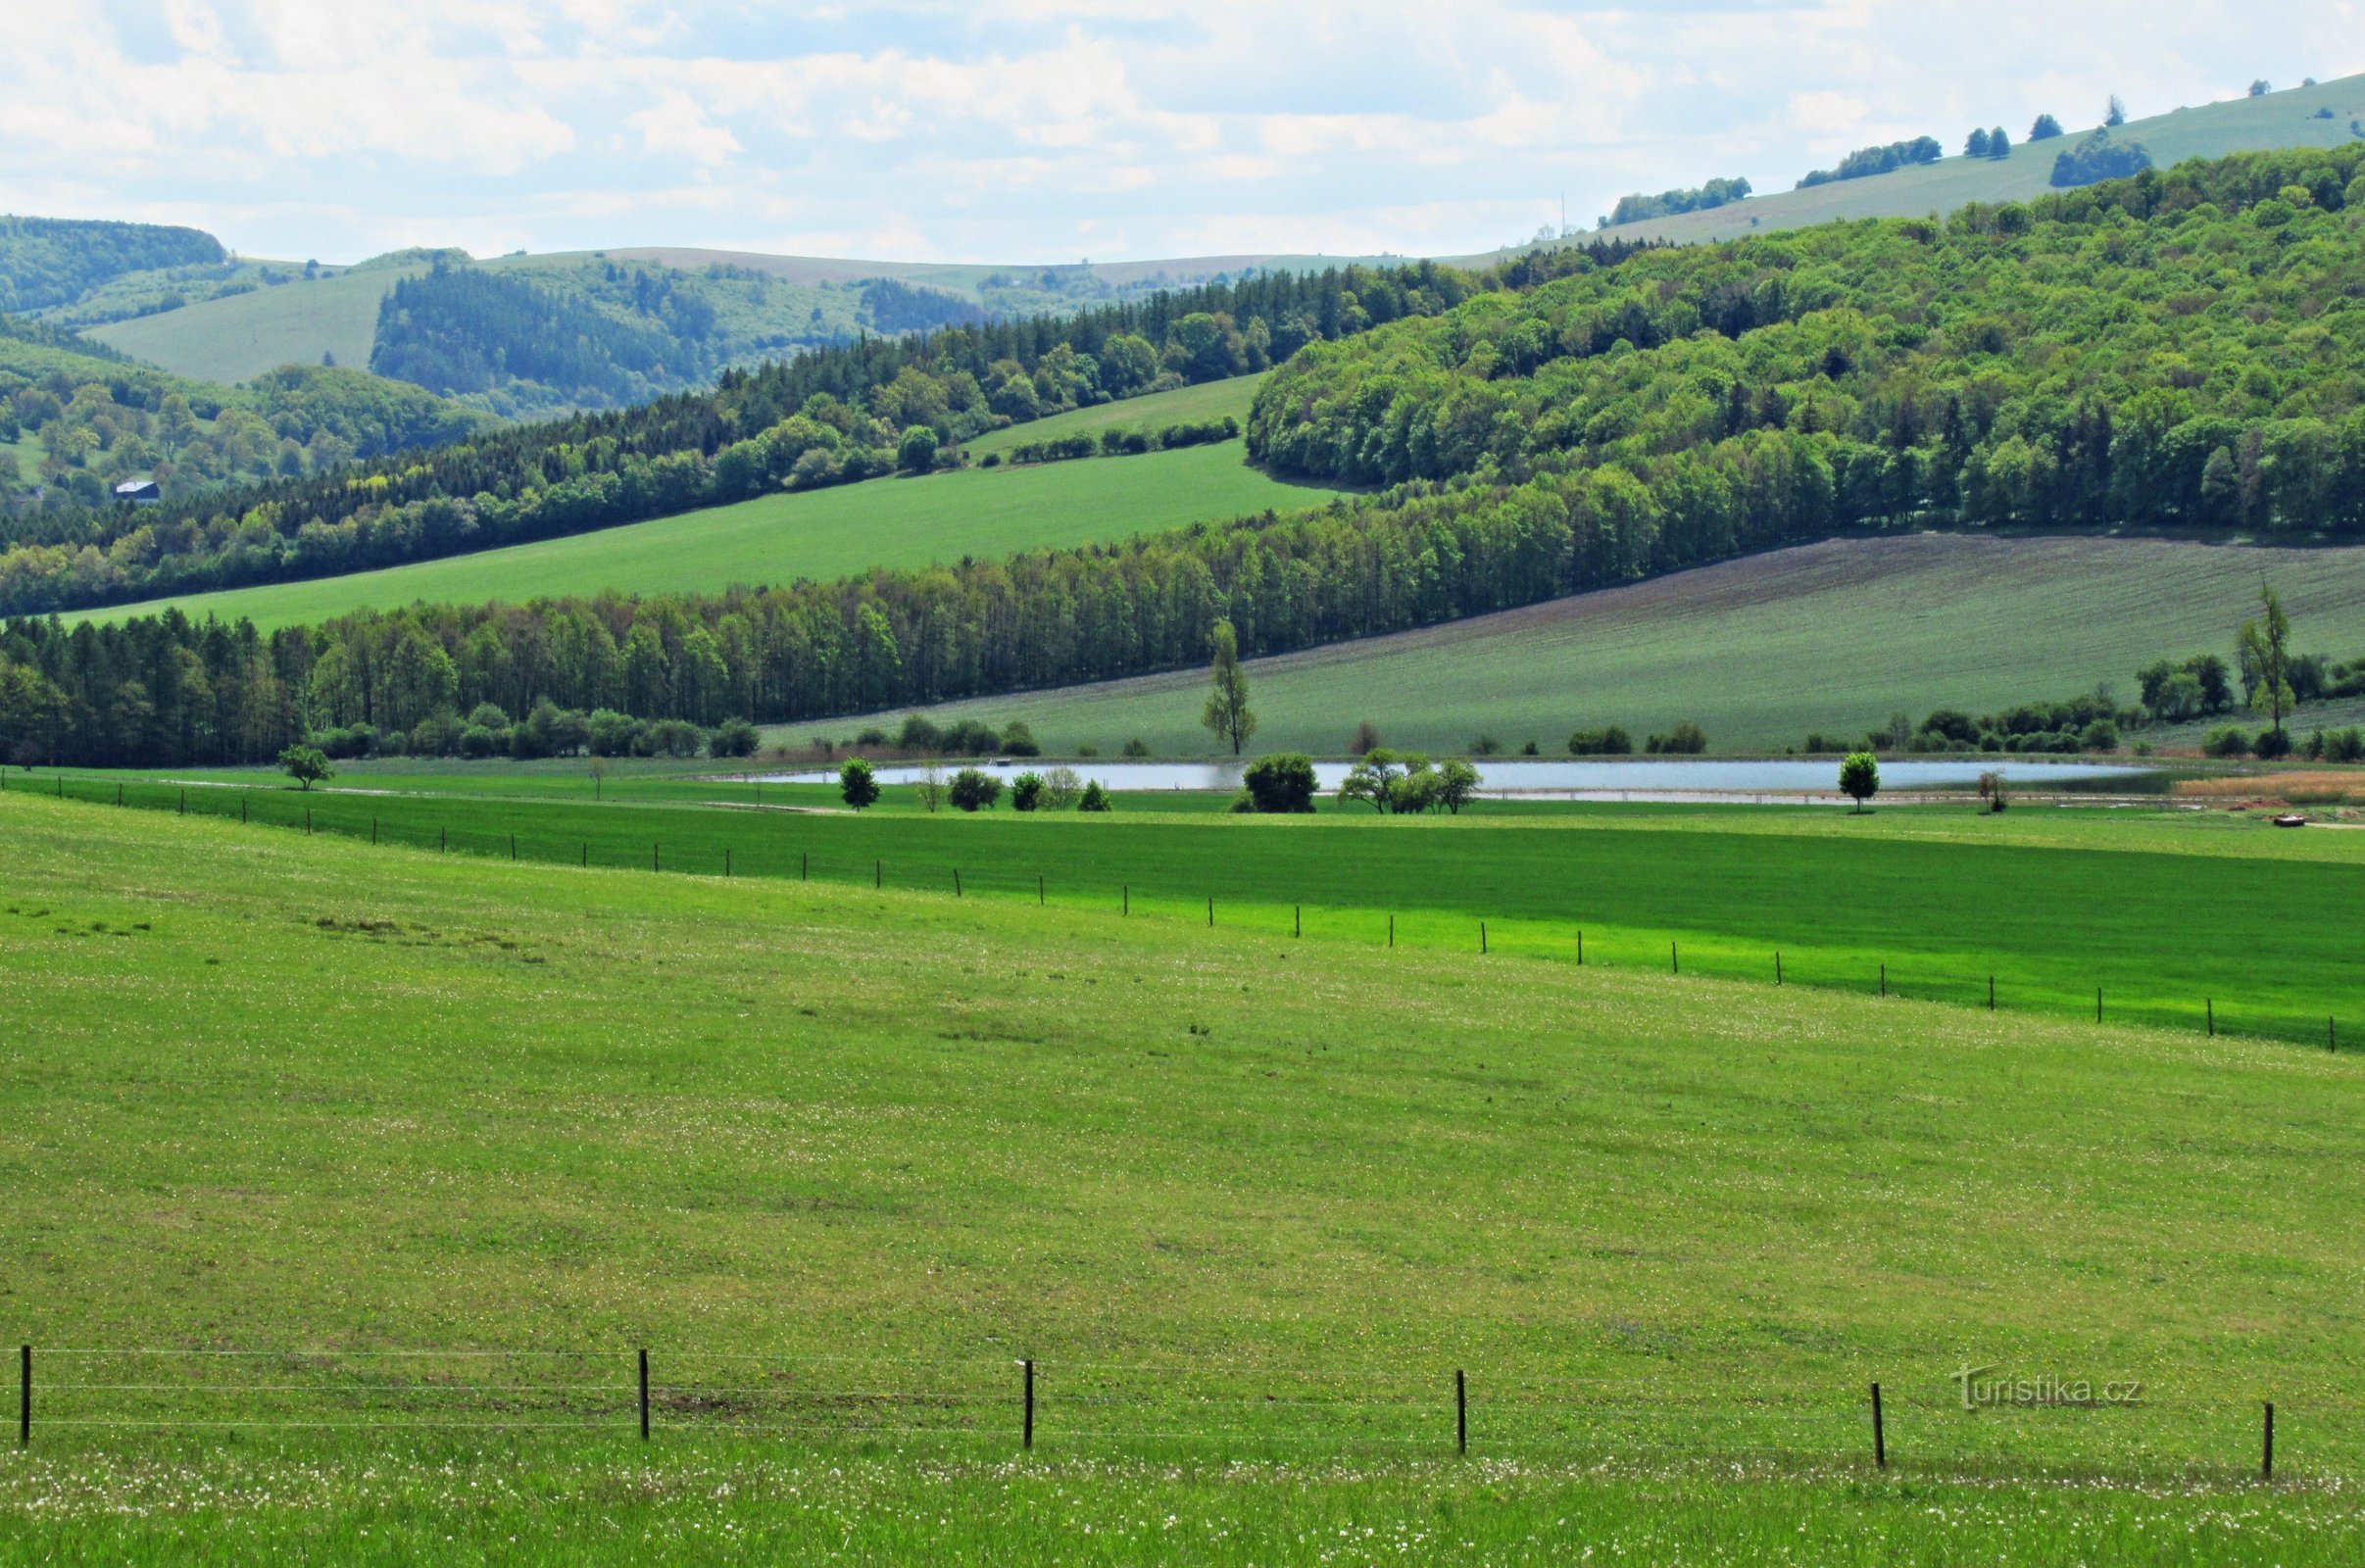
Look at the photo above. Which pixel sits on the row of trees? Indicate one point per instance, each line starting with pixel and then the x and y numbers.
pixel 1865 162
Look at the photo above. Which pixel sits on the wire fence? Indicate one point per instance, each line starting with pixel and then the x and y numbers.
pixel 353 815
pixel 1971 1418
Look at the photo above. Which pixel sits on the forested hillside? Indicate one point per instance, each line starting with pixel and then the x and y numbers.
pixel 2183 351
pixel 460 330
pixel 76 416
pixel 820 419
pixel 51 261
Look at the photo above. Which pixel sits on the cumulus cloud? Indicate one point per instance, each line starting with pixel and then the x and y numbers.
pixel 1035 129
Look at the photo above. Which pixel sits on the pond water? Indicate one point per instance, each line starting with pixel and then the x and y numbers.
pixel 1671 778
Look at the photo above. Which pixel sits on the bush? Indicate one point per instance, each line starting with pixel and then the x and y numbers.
pixel 970 738
pixel 1530 749
pixel 2345 745
pixel 1365 740
pixel 2227 739
pixel 973 790
pixel 2100 736
pixel 1282 783
pixel 489 715
pixel 1061 787
pixel 1611 741
pixel 345 744
pixel 672 737
pixel 558 731
pixel 1019 741
pixel 1485 745
pixel 1087 749
pixel 1026 792
pixel 916 735
pixel 614 734
pixel 438 736
pixel 858 784
pixel 1686 739
pixel 870 735
pixel 2272 743
pixel 479 741
pixel 1094 797
pixel 733 737
pixel 1136 748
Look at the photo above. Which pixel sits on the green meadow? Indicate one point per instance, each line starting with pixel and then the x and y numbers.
pixel 1758 651
pixel 821 534
pixel 2191 921
pixel 439 1142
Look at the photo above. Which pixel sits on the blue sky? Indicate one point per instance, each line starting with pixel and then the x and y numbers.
pixel 1036 130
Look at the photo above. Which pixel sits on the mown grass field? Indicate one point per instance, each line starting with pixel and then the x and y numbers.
pixel 2188 920
pixel 818 533
pixel 837 1156
pixel 2285 118
pixel 1831 637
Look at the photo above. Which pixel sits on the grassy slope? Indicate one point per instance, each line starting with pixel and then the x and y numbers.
pixel 839 1121
pixel 821 534
pixel 1832 636
pixel 1841 896
pixel 2212 130
pixel 1211 400
pixel 266 1091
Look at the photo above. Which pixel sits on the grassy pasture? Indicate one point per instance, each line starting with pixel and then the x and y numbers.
pixel 818 533
pixel 1758 651
pixel 2173 920
pixel 1210 400
pixel 1242 1197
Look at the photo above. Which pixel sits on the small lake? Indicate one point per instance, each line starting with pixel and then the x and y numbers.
pixel 1671 778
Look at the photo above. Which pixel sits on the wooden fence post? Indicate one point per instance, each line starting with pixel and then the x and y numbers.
pixel 25 1398
pixel 1990 993
pixel 1210 912
pixel 1461 1412
pixel 1675 964
pixel 2266 1456
pixel 726 863
pixel 1482 938
pixel 2097 1004
pixel 1297 919
pixel 804 865
pixel 1777 968
pixel 1392 931
pixel 1580 948
pixel 2210 1003
pixel 957 881
pixel 879 873
pixel 512 846
pixel 1026 1437
pixel 1040 897
pixel 1880 1438
pixel 644 1395
pixel 1126 909
pixel 185 802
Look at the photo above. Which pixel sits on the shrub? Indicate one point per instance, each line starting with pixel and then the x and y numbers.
pixel 1061 787
pixel 1283 782
pixel 916 735
pixel 733 737
pixel 1095 799
pixel 558 731
pixel 438 736
pixel 489 715
pixel 479 741
pixel 1136 746
pixel 2272 743
pixel 2100 736
pixel 1485 745
pixel 1686 739
pixel 1611 741
pixel 973 790
pixel 1366 738
pixel 1026 792
pixel 858 784
pixel 1019 741
pixel 970 738
pixel 870 735
pixel 2227 739
pixel 1530 749
pixel 614 734
pixel 673 737
pixel 1087 749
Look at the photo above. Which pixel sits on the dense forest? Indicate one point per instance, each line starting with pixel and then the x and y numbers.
pixel 52 261
pixel 2179 351
pixel 823 417
pixel 461 329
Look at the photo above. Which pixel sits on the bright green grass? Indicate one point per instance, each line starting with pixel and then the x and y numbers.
pixel 1210 400
pixel 239 337
pixel 821 534
pixel 1831 637
pixel 2209 131
pixel 2174 918
pixel 836 1156
pixel 406 1505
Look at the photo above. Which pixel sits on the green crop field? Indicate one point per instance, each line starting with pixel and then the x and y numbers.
pixel 838 1156
pixel 820 533
pixel 238 338
pixel 1831 637
pixel 2178 918
pixel 2286 119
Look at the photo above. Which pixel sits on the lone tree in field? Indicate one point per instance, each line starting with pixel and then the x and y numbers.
pixel 858 784
pixel 307 765
pixel 1860 777
pixel 1228 712
pixel 2265 646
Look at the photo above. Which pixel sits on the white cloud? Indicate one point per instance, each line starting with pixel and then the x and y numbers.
pixel 1011 129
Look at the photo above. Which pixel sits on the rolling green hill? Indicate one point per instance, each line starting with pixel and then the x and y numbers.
pixel 1210 400
pixel 819 534
pixel 2286 119
pixel 1757 651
